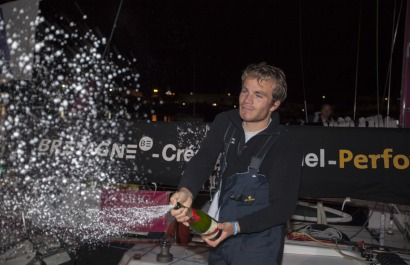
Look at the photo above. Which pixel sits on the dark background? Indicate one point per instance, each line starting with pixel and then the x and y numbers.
pixel 203 46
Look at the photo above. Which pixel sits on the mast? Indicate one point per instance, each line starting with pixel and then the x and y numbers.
pixel 405 93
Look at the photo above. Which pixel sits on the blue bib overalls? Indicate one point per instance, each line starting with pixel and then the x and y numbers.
pixel 243 194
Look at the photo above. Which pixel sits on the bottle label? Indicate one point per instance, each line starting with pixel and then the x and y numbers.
pixel 194 218
pixel 213 232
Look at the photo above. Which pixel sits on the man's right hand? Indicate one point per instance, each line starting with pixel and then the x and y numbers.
pixel 184 197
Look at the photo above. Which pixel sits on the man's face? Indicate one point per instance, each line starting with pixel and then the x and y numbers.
pixel 326 111
pixel 255 101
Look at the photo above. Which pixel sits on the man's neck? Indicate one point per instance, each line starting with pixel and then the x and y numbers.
pixel 255 126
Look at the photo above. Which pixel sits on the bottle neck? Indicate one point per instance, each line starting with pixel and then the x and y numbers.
pixel 178 206
pixel 191 213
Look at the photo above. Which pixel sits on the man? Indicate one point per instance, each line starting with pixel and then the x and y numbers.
pixel 324 117
pixel 259 175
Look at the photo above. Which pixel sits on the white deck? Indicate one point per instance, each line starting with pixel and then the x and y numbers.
pixel 306 254
pixel 295 252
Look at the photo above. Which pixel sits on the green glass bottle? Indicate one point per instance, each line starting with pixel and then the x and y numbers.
pixel 202 223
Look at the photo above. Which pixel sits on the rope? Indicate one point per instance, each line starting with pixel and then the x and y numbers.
pixel 301 59
pixel 377 60
pixel 329 233
pixel 357 61
pixel 113 28
pixel 337 249
pixel 389 70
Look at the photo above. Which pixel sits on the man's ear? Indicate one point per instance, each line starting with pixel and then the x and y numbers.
pixel 275 105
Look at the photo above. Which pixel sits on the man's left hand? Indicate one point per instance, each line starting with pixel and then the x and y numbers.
pixel 227 231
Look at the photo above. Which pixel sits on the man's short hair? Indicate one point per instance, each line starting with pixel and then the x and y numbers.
pixel 262 72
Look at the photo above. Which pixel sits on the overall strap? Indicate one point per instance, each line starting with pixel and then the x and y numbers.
pixel 257 160
pixel 227 140
pixel 229 133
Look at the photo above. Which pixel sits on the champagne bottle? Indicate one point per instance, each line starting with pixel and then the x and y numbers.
pixel 202 223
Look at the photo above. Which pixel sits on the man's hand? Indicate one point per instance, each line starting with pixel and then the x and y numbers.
pixel 184 197
pixel 227 231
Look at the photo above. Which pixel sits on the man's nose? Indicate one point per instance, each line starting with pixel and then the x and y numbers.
pixel 248 98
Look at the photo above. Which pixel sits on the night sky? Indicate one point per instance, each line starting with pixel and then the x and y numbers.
pixel 187 45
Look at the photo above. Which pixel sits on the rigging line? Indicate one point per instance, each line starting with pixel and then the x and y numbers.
pixel 388 76
pixel 301 60
pixel 377 61
pixel 112 30
pixel 357 61
pixel 389 70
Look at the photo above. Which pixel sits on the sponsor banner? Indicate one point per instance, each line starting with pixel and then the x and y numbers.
pixel 363 163
pixel 134 210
